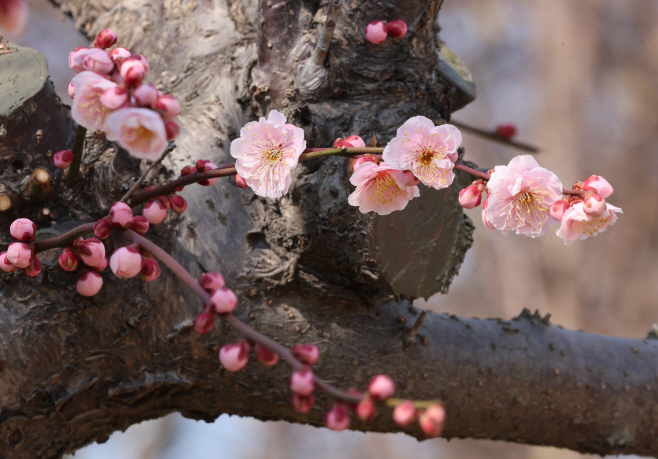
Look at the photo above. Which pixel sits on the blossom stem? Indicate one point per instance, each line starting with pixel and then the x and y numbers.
pixel 164 154
pixel 496 138
pixel 78 147
pixel 65 239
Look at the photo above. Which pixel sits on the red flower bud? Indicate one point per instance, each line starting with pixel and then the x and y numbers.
pixel 89 284
pixel 432 420
pixel 397 29
pixel 68 261
pixel 306 353
pixel 140 224
pixel 204 322
pixel 302 403
pixel 381 387
pixel 63 159
pixel 178 204
pixel 103 228
pixel 155 211
pixel 506 131
pixel 34 268
pixel 366 410
pixel 234 356
pixel 302 381
pixel 121 215
pixel 23 230
pixel 240 182
pixel 126 262
pixel 172 130
pixel 338 417
pixel 91 251
pixel 5 265
pixel 265 356
pixel 150 269
pixel 404 414
pixel 223 300
pixel 102 266
pixel 105 38
pixel 211 281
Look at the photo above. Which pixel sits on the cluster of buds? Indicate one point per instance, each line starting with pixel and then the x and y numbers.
pixel 92 254
pixel 430 419
pixel 202 165
pixel 155 210
pixel 21 254
pixel 222 301
pixel 109 94
pixel 377 31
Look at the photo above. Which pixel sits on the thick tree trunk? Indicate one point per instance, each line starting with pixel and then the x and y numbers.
pixel 308 267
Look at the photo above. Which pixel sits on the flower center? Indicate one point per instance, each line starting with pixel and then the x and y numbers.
pixel 425 156
pixel 385 188
pixel 273 154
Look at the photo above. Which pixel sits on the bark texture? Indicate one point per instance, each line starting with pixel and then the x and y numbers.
pixel 308 267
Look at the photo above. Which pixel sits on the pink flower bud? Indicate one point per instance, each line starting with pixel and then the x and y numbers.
pixel 150 270
pixel 594 205
pixel 302 403
pixel 397 28
pixel 366 410
pixel 94 59
pixel 223 300
pixel 103 228
pixel 381 387
pixel 211 281
pixel 200 165
pixel 209 166
pixel 234 356
pixel 240 182
pixel 114 98
pixel 133 71
pixel 63 159
pixel 126 262
pixel 470 197
pixel 105 38
pixel 71 90
pixel 404 414
pixel 23 230
pixel 204 322
pixel 89 284
pixel 338 417
pixel 407 178
pixel 178 204
pixel 265 356
pixel 68 261
pixel 506 131
pixel 598 184
pixel 558 208
pixel 5 265
pixel 34 269
pixel 91 251
pixel 172 130
pixel 146 95
pixel 306 353
pixel 19 254
pixel 143 60
pixel 168 105
pixel 362 159
pixel 102 266
pixel 376 32
pixel 140 224
pixel 121 215
pixel 302 381
pixel 155 212
pixel 74 58
pixel 432 420
pixel 353 141
pixel 119 55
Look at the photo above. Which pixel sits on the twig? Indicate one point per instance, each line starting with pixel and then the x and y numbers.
pixel 324 40
pixel 78 148
pixel 164 154
pixel 417 325
pixel 495 137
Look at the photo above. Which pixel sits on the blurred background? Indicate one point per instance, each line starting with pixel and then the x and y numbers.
pixel 580 80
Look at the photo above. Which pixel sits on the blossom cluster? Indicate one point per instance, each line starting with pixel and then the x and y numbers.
pixel 21 254
pixel 109 95
pixel 377 31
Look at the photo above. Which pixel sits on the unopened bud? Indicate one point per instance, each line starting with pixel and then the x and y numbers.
pixel 338 417
pixel 114 98
pixel 91 251
pixel 240 181
pixel 155 211
pixel 558 208
pixel 140 224
pixel 126 262
pixel 598 184
pixel 381 387
pixel 594 205
pixel 68 261
pixel 23 230
pixel 211 281
pixel 404 414
pixel 89 284
pixel 208 167
pixel 366 410
pixel 223 300
pixel 172 130
pixel 506 131
pixel 302 381
pixel 105 38
pixel 187 170
pixel 102 266
pixel 471 196
pixel 150 270
pixel 5 265
pixel 200 165
pixel 432 420
pixel 34 268
pixel 362 159
pixel 265 356
pixel 204 322
pixel 306 353
pixel 168 105
pixel 146 95
pixel 353 141
pixel 407 178
pixel 103 228
pixel 302 403
pixel 63 159
pixel 119 55
pixel 121 215
pixel 376 32
pixel 397 29
pixel 234 356
pixel 19 254
pixel 178 204
pixel 133 71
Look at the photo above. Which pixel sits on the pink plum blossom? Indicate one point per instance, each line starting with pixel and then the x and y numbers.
pixel 223 300
pixel 63 159
pixel 87 110
pixel 376 32
pixel 204 322
pixel 155 211
pixel 211 281
pixel 381 387
pixel 89 284
pixel 379 189
pixel 265 356
pixel 68 261
pixel 338 417
pixel 234 356
pixel 427 150
pixel 558 208
pixel 105 38
pixel 121 215
pixel 126 262
pixel 34 268
pixel 521 195
pixel 365 409
pixel 306 353
pixel 92 59
pixel 397 28
pixel 5 264
pixel 432 420
pixel 577 224
pixel 19 254
pixel 266 152
pixel 598 184
pixel 302 381
pixel 302 403
pixel 139 130
pixel 23 229
pixel 13 16
pixel 362 159
pixel 404 414
pixel 91 251
pixel 139 224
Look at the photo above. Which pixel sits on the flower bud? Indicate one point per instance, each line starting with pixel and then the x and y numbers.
pixel 204 322
pixel 5 265
pixel 121 215
pixel 155 212
pixel 598 184
pixel 140 224
pixel 506 131
pixel 19 254
pixel 223 300
pixel 63 159
pixel 91 251
pixel 105 38
pixel 103 228
pixel 404 414
pixel 119 55
pixel 146 95
pixel 150 270
pixel 89 284
pixel 338 417
pixel 178 204
pixel 376 32
pixel 74 58
pixel 381 387
pixel 208 167
pixel 366 410
pixel 187 170
pixel 34 269
pixel 407 178
pixel 172 130
pixel 23 230
pixel 126 262
pixel 102 266
pixel 302 381
pixel 594 205
pixel 234 356
pixel 432 420
pixel 302 403
pixel 68 261
pixel 71 90
pixel 306 353
pixel 211 281
pixel 265 356
pixel 114 98
pixel 143 60
pixel 168 105
pixel 558 208
pixel 397 28
pixel 133 71
pixel 94 59
pixel 471 196
pixel 240 181
pixel 362 159
pixel 200 165
pixel 353 141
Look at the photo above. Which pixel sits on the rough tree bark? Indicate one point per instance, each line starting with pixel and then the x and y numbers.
pixel 307 267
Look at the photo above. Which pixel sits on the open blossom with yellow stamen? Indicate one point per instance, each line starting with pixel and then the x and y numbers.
pixel 520 197
pixel 265 153
pixel 87 110
pixel 380 188
pixel 427 150
pixel 578 224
